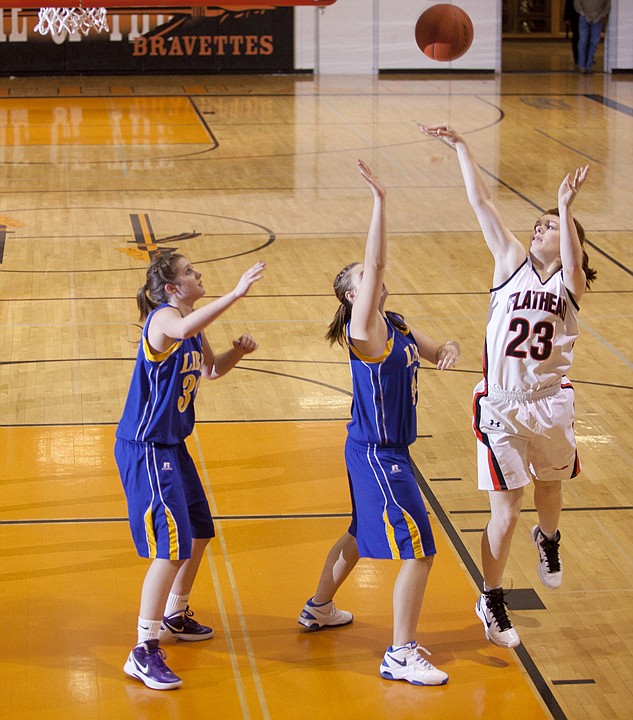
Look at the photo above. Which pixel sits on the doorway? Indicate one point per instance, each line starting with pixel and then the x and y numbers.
pixel 535 38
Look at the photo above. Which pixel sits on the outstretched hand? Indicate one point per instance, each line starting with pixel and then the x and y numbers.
pixel 246 344
pixel 444 132
pixel 571 185
pixel 377 187
pixel 252 275
pixel 448 355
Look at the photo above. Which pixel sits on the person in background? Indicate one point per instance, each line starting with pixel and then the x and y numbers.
pixel 592 14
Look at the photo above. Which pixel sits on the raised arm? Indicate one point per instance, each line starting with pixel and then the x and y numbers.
pixel 367 326
pixel 570 247
pixel 506 249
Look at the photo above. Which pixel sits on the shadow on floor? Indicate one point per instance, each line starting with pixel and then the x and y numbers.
pixel 531 55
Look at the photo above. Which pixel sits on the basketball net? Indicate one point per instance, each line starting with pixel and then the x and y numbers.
pixel 56 20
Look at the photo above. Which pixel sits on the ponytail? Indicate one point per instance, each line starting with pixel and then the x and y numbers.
pixel 144 302
pixel 337 329
pixel 161 271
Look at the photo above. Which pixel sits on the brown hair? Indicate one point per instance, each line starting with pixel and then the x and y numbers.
pixel 590 273
pixel 161 270
pixel 336 330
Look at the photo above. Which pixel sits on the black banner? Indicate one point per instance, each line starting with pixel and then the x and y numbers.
pixel 211 40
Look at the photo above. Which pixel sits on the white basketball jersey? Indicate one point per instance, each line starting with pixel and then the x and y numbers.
pixel 531 331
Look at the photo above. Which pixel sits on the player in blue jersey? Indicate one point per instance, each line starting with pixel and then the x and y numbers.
pixel 523 410
pixel 168 511
pixel 389 519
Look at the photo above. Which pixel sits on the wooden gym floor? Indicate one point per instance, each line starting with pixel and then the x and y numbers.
pixel 98 172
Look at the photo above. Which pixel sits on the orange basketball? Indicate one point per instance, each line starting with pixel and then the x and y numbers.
pixel 444 32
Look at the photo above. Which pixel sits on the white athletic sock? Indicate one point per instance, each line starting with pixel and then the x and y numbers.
pixel 313 603
pixel 550 536
pixel 176 604
pixel 487 588
pixel 147 630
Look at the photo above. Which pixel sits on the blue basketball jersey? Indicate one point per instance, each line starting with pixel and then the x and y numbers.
pixel 160 402
pixel 385 391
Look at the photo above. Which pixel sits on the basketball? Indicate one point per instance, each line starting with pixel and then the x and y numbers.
pixel 444 32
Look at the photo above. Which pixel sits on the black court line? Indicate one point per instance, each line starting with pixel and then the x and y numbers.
pixel 605 254
pixel 524 656
pixel 539 682
pixel 214 141
pixel 191 216
pixel 195 156
pixel 574 149
pixel 3 237
pixel 580 681
pixel 541 210
pixel 612 104
pixel 592 245
pixel 513 190
pixel 298 377
pixel 424 368
pixel 449 529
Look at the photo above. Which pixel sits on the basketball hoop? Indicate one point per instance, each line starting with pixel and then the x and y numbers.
pixel 77 19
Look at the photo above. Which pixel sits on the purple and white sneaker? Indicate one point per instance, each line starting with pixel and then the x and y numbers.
pixel 182 626
pixel 146 663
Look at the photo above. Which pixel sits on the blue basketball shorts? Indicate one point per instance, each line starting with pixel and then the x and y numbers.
pixel 389 519
pixel 167 506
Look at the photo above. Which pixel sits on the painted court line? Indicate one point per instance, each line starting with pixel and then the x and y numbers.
pixel 236 598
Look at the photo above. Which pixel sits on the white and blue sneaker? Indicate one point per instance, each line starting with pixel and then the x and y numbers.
pixel 315 617
pixel 407 663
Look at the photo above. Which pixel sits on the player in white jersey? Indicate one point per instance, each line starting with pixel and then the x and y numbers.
pixel 523 410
